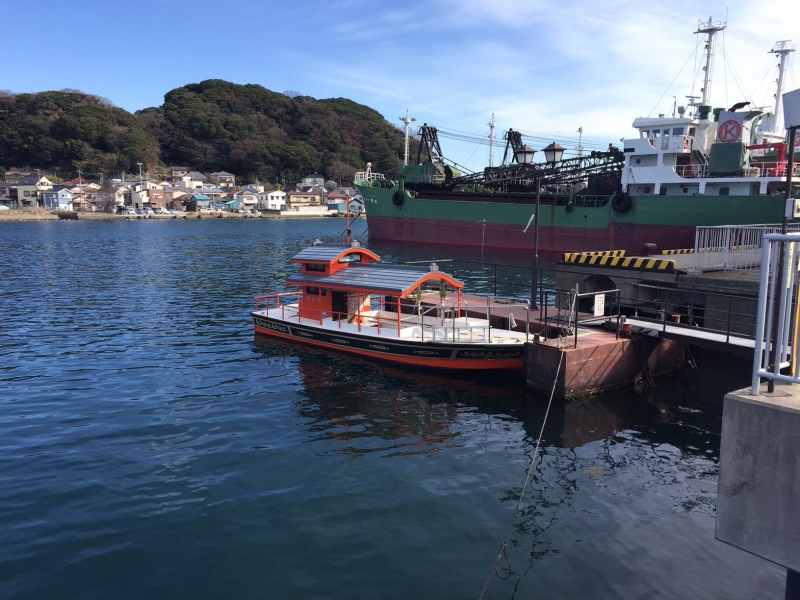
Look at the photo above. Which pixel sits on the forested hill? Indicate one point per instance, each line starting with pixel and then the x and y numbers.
pixel 70 130
pixel 209 126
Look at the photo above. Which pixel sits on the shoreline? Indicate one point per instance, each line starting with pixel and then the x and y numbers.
pixel 12 216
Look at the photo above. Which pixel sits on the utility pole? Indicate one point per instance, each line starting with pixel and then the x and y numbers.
pixel 580 142
pixel 491 141
pixel 710 29
pixel 407 120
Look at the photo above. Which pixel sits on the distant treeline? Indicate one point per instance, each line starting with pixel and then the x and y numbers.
pixel 209 126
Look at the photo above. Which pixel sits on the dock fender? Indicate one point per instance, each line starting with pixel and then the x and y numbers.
pixel 398 198
pixel 621 202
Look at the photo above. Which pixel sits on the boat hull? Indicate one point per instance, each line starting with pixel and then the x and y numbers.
pixel 667 221
pixel 417 353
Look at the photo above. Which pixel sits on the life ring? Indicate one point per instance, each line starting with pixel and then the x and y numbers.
pixel 686 143
pixel 398 198
pixel 569 207
pixel 621 202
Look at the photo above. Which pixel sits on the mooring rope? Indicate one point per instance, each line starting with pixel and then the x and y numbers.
pixel 522 493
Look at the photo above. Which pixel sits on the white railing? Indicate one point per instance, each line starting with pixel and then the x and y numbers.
pixel 731 247
pixel 368 176
pixel 691 171
pixel 777 319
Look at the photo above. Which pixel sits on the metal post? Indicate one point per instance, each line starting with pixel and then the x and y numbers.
pixel 779 288
pixel 535 267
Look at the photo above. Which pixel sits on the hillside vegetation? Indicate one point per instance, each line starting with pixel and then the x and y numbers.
pixel 214 125
pixel 70 130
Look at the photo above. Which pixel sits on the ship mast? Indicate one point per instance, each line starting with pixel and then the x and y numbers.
pixel 710 29
pixel 407 120
pixel 580 142
pixel 782 49
pixel 491 141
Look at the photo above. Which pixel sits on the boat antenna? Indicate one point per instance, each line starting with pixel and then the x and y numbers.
pixel 579 148
pixel 491 141
pixel 782 49
pixel 407 120
pixel 710 29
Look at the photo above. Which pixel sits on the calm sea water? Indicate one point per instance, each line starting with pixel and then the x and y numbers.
pixel 149 448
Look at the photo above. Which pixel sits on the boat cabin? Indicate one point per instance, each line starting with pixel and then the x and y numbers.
pixel 349 283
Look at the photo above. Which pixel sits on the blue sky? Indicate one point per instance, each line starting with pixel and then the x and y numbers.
pixel 545 67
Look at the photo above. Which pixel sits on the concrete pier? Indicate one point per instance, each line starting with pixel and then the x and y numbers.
pixel 758 498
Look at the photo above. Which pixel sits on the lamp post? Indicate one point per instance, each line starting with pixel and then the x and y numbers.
pixel 552 155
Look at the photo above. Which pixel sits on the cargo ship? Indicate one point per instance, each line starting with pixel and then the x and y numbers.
pixel 700 166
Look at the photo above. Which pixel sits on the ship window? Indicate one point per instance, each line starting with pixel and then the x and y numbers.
pixel 677 131
pixel 691 131
pixel 724 191
pixel 348 258
pixel 314 267
pixel 646 133
pixel 647 189
pixel 663 190
pixel 656 132
pixel 685 190
pixel 312 290
pixel 638 161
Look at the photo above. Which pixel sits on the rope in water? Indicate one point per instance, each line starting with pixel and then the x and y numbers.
pixel 522 493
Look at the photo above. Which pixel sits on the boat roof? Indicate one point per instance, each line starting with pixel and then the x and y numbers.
pixel 374 278
pixel 330 253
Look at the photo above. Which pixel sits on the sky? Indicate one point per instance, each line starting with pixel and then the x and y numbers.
pixel 542 67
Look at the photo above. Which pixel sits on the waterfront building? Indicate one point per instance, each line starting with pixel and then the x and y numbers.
pixel 57 198
pixel 29 189
pixel 272 200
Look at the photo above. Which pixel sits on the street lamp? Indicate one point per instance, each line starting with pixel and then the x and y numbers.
pixel 552 155
pixel 524 155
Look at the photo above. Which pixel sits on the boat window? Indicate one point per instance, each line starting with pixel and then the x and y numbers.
pixel 312 290
pixel 646 133
pixel 677 131
pixel 656 133
pixel 691 131
pixel 314 267
pixel 348 258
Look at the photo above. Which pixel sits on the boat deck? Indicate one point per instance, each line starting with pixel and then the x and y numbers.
pixel 384 325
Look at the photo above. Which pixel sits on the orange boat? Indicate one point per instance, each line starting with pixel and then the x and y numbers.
pixel 350 302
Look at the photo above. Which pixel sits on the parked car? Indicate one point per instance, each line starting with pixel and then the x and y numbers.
pixel 139 211
pixel 4 207
pixel 175 211
pixel 147 210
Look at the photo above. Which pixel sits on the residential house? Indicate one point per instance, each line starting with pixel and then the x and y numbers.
pixel 176 200
pixel 222 179
pixel 57 198
pixel 336 201
pixel 6 198
pixel 193 180
pixel 147 194
pixel 298 195
pixel 313 180
pixel 29 188
pixel 200 200
pixel 100 198
pixel 272 200
pixel 247 199
pixel 178 172
pixel 214 193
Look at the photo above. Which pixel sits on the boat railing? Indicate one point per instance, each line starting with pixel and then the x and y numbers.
pixel 732 247
pixel 694 171
pixel 369 176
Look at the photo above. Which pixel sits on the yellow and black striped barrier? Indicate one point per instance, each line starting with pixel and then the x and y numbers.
pixel 641 263
pixel 585 256
pixel 680 251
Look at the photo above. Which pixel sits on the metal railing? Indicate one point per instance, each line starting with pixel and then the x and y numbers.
pixel 776 346
pixel 368 176
pixel 695 171
pixel 728 247
pixel 567 315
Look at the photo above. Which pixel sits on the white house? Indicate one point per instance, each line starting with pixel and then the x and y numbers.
pixel 272 200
